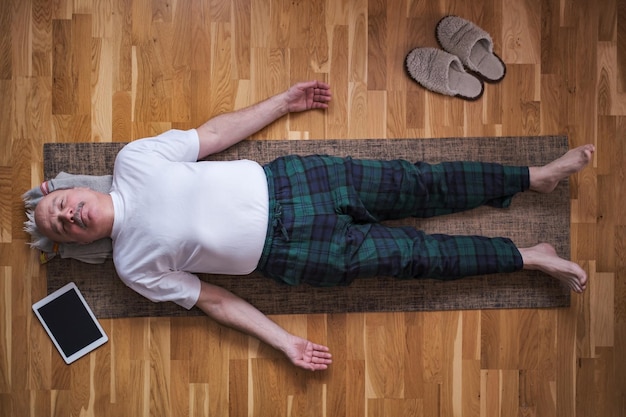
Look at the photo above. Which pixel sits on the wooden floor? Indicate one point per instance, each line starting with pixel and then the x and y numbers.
pixel 117 70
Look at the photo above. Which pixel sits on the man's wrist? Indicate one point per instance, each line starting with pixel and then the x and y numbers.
pixel 280 341
pixel 282 103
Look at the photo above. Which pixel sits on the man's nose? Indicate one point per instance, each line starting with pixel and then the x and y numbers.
pixel 68 214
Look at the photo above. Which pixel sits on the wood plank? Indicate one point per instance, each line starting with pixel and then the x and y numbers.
pixel 118 70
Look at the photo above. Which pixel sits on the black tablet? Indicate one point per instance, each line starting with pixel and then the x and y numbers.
pixel 70 323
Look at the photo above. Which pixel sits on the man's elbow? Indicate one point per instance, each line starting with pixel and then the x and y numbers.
pixel 209 141
pixel 211 299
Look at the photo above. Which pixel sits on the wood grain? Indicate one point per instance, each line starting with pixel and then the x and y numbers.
pixel 118 70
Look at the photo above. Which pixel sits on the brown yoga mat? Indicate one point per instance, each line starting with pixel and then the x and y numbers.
pixel 532 218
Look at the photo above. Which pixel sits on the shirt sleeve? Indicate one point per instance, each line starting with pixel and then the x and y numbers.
pixel 180 287
pixel 173 145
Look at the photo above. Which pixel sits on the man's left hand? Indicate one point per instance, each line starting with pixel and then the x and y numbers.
pixel 308 95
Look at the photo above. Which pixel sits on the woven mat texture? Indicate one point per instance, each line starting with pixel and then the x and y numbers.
pixel 532 218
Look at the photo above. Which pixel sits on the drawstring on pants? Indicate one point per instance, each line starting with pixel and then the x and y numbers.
pixel 278 222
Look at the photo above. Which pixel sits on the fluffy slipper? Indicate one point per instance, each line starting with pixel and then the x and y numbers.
pixel 472 45
pixel 442 73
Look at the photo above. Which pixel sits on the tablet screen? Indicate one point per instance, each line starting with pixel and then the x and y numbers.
pixel 70 323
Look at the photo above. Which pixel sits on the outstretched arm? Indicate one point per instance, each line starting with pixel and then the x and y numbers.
pixel 227 129
pixel 232 311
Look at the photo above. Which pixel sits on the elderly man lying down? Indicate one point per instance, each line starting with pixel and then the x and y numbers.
pixel 313 219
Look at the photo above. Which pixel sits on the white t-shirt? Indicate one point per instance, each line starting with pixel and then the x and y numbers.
pixel 175 216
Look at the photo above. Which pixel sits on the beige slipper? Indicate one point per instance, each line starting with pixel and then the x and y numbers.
pixel 472 45
pixel 442 73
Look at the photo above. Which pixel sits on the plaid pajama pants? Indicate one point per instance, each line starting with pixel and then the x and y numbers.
pixel 326 212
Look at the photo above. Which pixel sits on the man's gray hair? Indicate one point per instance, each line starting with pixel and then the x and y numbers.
pixel 37 239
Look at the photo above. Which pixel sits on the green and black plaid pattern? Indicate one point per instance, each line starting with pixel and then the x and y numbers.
pixel 325 215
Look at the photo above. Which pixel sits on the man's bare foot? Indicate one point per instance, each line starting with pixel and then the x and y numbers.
pixel 543 257
pixel 545 178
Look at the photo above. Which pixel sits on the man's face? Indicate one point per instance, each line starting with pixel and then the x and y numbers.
pixel 74 215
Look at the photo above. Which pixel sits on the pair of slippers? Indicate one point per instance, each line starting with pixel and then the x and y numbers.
pixel 466 62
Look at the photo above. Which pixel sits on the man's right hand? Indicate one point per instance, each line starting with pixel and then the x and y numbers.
pixel 307 355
